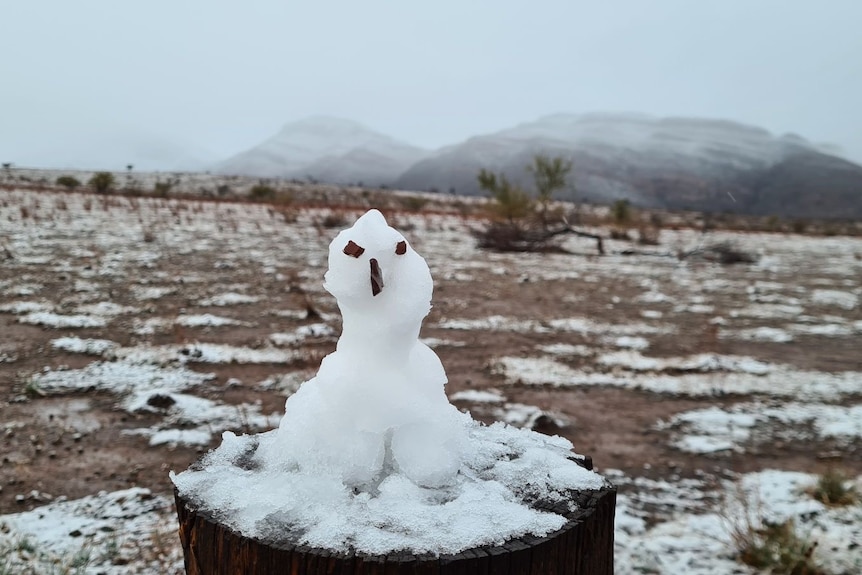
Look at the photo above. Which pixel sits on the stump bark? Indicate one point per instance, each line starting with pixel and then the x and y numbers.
pixel 583 546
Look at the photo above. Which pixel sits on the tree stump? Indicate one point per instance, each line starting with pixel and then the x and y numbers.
pixel 583 546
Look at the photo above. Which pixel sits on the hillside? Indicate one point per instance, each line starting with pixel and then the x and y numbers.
pixel 327 149
pixel 686 163
pixel 674 163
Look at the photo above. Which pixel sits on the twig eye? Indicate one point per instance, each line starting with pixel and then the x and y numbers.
pixel 353 249
pixel 401 248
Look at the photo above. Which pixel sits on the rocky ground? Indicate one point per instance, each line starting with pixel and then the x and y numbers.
pixel 133 331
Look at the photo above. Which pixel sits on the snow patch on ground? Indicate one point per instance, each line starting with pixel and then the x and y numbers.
pixel 778 381
pixel 842 299
pixel 120 377
pixel 763 333
pixel 694 536
pixel 50 319
pixel 718 429
pixel 300 334
pixel 114 533
pixel 205 320
pixel 152 292
pixel 478 396
pixel 25 307
pixel 204 353
pixel 227 299
pixel 74 344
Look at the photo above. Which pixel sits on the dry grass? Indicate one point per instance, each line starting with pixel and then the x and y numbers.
pixel 775 547
pixel 834 489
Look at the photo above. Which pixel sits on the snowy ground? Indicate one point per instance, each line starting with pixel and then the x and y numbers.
pixel 134 331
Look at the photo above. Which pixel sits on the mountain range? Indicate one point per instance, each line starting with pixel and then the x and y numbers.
pixel 676 163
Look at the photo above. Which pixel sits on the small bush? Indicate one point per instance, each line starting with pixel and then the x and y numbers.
pixel 778 548
pixel 334 220
pixel 262 192
pixel 726 253
pixel 102 182
pixel 832 489
pixel 68 182
pixel 621 212
pixel 414 203
pixel 162 189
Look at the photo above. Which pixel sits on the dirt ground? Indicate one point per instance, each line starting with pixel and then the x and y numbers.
pixel 73 444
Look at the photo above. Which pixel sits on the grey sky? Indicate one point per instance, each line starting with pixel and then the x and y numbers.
pixel 217 77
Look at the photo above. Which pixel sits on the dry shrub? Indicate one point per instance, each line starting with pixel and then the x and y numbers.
pixel 775 547
pixel 834 489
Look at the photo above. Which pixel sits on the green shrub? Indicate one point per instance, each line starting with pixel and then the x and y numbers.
pixel 262 192
pixel 102 182
pixel 162 189
pixel 68 182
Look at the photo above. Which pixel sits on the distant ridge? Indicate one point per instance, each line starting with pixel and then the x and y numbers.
pixel 676 163
pixel 328 149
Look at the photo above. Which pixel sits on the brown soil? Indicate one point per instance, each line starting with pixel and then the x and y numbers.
pixel 73 445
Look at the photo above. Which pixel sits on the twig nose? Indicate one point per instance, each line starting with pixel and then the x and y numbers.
pixel 376 278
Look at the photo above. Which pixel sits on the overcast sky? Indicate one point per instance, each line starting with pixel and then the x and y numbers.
pixel 89 79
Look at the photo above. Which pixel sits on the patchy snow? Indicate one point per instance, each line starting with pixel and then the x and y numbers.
pixel 435 342
pixel 586 326
pixel 825 330
pixel 192 420
pixel 703 362
pixel 74 344
pixel 778 381
pixel 768 311
pixel 700 431
pixel 527 416
pixel 763 334
pixel 151 325
pixel 114 533
pixel 566 349
pixel 227 299
pixel 300 334
pixel 478 396
pixel 106 308
pixel 50 319
pixel 629 342
pixel 701 543
pixel 494 323
pixel 204 353
pixel 651 314
pixel 25 307
pixel 205 320
pixel 152 292
pixel 120 377
pixel 842 299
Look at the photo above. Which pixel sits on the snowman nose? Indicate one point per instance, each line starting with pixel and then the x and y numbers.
pixel 376 278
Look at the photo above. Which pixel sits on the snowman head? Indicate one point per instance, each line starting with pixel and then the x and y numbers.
pixel 373 269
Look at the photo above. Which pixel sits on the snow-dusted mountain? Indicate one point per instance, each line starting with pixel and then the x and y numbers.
pixel 691 163
pixel 327 149
pixel 677 163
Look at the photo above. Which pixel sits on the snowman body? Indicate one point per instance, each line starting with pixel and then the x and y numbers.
pixel 377 405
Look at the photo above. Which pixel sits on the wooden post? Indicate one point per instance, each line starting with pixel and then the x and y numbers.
pixel 583 546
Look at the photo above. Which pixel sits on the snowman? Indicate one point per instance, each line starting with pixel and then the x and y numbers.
pixel 377 405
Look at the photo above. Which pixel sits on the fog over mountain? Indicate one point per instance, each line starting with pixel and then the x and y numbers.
pixel 688 163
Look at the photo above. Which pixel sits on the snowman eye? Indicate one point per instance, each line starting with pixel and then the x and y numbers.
pixel 353 249
pixel 401 248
